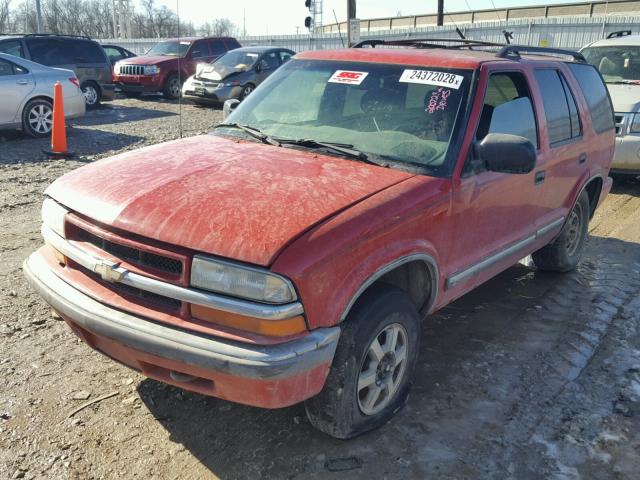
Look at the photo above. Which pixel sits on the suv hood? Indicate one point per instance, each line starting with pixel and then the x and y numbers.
pixel 237 199
pixel 150 60
pixel 625 98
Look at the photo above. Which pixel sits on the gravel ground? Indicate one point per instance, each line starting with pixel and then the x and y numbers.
pixel 530 376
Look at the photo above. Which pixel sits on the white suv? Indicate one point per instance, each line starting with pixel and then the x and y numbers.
pixel 618 59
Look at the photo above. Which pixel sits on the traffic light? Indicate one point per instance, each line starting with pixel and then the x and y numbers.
pixel 308 22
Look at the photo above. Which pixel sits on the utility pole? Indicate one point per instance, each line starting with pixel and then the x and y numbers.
pixel 440 13
pixel 351 13
pixel 38 17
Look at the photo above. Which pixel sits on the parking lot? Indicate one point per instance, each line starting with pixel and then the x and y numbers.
pixel 532 375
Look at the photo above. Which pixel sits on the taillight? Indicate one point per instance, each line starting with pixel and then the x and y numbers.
pixel 75 81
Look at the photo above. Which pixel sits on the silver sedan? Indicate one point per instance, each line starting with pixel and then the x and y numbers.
pixel 26 95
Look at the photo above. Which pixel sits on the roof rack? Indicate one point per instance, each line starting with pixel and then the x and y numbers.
pixel 511 51
pixel 43 35
pixel 428 43
pixel 619 33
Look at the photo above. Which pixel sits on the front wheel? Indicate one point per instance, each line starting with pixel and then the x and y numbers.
pixel 172 87
pixel 563 254
pixel 246 91
pixel 373 366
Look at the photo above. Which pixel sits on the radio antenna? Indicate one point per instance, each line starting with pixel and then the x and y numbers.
pixel 339 32
pixel 179 69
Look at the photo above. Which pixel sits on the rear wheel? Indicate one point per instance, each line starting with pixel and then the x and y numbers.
pixel 92 95
pixel 563 254
pixel 373 366
pixel 172 87
pixel 37 117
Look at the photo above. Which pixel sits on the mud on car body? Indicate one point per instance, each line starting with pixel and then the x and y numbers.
pixel 292 254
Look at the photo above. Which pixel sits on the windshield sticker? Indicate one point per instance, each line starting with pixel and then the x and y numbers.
pixel 438 100
pixel 347 76
pixel 428 77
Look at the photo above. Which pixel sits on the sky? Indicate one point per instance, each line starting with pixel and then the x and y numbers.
pixel 287 16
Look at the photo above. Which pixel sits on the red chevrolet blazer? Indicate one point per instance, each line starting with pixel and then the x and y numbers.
pixel 292 254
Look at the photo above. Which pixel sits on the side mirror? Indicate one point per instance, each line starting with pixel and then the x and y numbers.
pixel 506 153
pixel 229 106
pixel 258 68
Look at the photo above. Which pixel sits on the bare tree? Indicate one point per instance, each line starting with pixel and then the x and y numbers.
pixel 4 14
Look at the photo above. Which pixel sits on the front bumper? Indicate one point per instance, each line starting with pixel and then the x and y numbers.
pixel 208 92
pixel 266 376
pixel 138 83
pixel 626 158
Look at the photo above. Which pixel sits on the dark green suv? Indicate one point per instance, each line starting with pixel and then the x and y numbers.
pixel 80 54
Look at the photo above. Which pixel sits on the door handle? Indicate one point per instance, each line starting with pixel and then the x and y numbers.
pixel 540 177
pixel 22 82
pixel 582 159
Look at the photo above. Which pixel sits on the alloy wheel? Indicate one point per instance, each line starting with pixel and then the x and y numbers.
pixel 382 369
pixel 90 94
pixel 40 118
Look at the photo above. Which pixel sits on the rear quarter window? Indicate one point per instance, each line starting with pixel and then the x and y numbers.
pixel 596 95
pixel 87 52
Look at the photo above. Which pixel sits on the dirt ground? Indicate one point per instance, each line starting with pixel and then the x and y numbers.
pixel 531 376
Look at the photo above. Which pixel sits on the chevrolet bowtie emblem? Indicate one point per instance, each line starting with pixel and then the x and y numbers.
pixel 109 271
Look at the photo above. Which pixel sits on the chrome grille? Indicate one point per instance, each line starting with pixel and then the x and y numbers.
pixel 131 69
pixel 132 255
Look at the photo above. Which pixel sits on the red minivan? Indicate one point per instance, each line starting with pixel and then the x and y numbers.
pixel 292 254
pixel 168 64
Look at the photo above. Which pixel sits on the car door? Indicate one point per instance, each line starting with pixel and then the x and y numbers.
pixel 266 65
pixel 218 48
pixel 562 148
pixel 16 83
pixel 495 214
pixel 199 53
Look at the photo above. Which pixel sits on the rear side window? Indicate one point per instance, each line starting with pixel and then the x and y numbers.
pixel 559 106
pixel 508 108
pixel 10 68
pixel 199 50
pixel 87 52
pixel 285 56
pixel 217 48
pixel 12 47
pixel 595 93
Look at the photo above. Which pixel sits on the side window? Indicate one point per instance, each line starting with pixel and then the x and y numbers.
pixel 595 93
pixel 508 108
pixel 217 48
pixel 113 53
pixel 12 47
pixel 559 106
pixel 285 56
pixel 6 68
pixel 199 50
pixel 86 52
pixel 270 61
pixel 50 52
pixel 574 116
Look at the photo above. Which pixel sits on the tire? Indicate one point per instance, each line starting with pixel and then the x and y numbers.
pixel 172 87
pixel 246 91
pixel 343 410
pixel 92 95
pixel 37 118
pixel 563 254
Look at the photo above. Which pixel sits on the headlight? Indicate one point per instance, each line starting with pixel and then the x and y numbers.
pixel 151 69
pixel 240 281
pixel 232 84
pixel 635 123
pixel 53 216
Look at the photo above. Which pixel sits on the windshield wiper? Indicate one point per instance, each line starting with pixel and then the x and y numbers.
pixel 342 148
pixel 252 131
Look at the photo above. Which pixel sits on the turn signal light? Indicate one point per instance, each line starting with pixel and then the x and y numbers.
pixel 271 328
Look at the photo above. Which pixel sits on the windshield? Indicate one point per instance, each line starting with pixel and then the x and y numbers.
pixel 239 60
pixel 172 49
pixel 403 115
pixel 616 63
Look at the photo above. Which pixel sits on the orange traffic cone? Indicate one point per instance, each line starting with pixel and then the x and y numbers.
pixel 59 147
